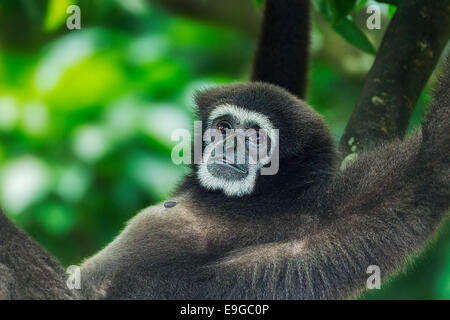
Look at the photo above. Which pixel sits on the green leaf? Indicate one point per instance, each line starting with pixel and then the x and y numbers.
pixel 56 14
pixel 345 27
pixel 350 32
pixel 340 9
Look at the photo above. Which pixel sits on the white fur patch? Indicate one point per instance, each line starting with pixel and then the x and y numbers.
pixel 244 186
pixel 236 188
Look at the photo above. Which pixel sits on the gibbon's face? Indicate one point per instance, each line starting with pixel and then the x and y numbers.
pixel 247 128
pixel 238 143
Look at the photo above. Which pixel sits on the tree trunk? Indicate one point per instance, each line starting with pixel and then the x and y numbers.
pixel 407 56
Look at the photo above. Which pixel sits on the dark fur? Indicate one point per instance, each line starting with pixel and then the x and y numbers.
pixel 26 270
pixel 308 233
pixel 283 49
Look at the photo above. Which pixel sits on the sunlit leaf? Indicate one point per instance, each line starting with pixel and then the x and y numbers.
pixel 22 182
pixel 98 78
pixel 63 54
pixel 56 14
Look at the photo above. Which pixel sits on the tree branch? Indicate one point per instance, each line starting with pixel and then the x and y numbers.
pixel 27 271
pixel 407 56
pixel 238 14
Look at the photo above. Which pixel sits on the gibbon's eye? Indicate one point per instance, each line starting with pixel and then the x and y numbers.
pixel 223 126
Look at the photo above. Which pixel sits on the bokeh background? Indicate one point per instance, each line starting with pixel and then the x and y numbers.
pixel 86 116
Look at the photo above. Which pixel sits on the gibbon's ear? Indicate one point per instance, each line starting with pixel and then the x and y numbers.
pixel 283 49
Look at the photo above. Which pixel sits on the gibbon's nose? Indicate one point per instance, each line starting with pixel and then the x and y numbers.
pixel 235 148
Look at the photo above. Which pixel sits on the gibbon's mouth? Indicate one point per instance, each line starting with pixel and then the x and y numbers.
pixel 233 166
pixel 238 169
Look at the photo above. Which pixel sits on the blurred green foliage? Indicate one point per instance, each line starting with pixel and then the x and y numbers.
pixel 86 118
pixel 337 13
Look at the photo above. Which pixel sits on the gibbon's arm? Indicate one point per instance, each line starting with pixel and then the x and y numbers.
pixel 26 270
pixel 283 49
pixel 156 240
pixel 380 210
